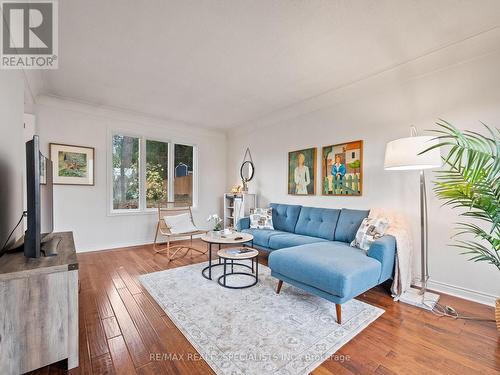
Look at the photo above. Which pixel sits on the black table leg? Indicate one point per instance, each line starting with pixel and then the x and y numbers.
pixel 224 279
pixel 257 268
pixel 210 261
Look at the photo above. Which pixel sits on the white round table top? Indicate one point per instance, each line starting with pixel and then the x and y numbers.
pixel 238 253
pixel 232 238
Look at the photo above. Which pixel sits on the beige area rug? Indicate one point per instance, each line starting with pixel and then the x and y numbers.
pixel 255 331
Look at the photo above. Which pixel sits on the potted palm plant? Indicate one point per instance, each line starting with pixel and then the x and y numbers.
pixel 469 182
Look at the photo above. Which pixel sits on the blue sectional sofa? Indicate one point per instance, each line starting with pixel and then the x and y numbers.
pixel 310 249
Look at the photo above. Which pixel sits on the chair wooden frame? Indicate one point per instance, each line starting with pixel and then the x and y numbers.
pixel 163 229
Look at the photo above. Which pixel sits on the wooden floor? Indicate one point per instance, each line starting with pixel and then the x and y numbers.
pixel 121 326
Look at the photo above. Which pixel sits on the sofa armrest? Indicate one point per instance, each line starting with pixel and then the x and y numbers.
pixel 243 223
pixel 384 250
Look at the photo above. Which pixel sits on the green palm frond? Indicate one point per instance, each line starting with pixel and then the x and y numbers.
pixel 470 182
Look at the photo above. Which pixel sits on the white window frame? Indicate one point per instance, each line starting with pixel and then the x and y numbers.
pixel 195 172
pixel 143 209
pixel 143 169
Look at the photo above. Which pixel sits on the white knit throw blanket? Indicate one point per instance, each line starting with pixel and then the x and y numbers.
pixel 398 228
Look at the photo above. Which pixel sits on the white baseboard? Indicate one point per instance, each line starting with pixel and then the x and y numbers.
pixel 461 292
pixel 115 245
pixel 119 245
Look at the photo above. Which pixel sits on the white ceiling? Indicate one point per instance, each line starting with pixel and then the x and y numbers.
pixel 221 63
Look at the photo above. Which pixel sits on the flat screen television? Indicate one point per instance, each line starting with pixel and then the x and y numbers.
pixel 40 210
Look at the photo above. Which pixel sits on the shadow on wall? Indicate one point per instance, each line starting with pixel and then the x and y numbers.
pixel 7 216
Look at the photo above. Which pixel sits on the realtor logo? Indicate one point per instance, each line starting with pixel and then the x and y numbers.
pixel 29 34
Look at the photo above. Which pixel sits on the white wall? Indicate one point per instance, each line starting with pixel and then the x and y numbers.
pixel 464 94
pixel 11 152
pixel 83 209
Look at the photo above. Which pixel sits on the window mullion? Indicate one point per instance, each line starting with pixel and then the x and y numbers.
pixel 195 177
pixel 171 170
pixel 142 174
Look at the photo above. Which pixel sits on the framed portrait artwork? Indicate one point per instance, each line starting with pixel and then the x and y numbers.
pixel 342 169
pixel 72 165
pixel 302 172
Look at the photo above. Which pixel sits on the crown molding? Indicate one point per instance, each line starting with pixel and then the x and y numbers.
pixel 124 115
pixel 472 48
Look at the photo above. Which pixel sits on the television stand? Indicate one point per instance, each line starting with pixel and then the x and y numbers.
pixel 49 248
pixel 39 308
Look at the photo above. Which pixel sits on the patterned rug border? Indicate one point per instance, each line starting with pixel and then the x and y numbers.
pixel 360 321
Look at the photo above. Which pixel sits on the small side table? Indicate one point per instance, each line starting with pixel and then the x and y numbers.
pixel 239 253
pixel 235 238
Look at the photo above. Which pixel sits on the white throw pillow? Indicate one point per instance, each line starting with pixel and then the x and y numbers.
pixel 261 218
pixel 179 224
pixel 370 230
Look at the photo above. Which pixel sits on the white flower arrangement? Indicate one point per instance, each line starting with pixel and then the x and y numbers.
pixel 216 220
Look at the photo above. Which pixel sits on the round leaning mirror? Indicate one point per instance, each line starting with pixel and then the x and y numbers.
pixel 246 171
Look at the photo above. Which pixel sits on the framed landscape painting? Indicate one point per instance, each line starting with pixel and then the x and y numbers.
pixel 342 169
pixel 72 165
pixel 302 172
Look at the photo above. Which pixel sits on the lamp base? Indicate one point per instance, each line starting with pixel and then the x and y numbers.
pixel 425 301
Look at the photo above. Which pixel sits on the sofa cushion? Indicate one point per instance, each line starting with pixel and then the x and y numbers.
pixel 333 267
pixel 317 222
pixel 348 224
pixel 261 236
pixel 283 240
pixel 261 218
pixel 370 230
pixel 285 216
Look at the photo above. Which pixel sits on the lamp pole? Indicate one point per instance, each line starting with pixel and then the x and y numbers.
pixel 424 236
pixel 407 154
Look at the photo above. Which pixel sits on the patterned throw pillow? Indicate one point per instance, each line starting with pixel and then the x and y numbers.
pixel 370 230
pixel 261 218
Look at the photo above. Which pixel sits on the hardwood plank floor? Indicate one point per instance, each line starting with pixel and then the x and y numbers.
pixel 122 327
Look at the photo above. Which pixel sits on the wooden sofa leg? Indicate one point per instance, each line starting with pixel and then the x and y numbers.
pixel 338 307
pixel 280 284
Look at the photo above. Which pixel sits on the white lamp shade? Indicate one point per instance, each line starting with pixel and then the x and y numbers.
pixel 403 154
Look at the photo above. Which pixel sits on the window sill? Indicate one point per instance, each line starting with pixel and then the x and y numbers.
pixel 131 212
pixel 149 211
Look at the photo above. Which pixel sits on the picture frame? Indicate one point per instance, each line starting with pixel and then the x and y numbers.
pixel 342 169
pixel 43 170
pixel 302 171
pixel 72 165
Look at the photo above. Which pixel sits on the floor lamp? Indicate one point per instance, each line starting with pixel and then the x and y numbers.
pixel 405 154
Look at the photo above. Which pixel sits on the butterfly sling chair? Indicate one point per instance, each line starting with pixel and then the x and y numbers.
pixel 173 234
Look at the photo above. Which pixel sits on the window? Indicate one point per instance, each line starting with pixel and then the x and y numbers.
pixel 147 172
pixel 183 178
pixel 156 172
pixel 125 172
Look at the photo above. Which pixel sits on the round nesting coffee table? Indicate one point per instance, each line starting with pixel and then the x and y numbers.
pixel 239 253
pixel 235 238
